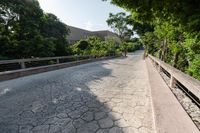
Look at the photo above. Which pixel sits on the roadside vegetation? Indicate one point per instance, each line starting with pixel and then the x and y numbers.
pixel 98 47
pixel 26 31
pixel 168 29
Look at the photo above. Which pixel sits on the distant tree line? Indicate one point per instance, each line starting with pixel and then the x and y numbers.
pixel 169 29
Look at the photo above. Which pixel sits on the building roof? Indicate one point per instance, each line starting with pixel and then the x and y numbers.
pixel 78 34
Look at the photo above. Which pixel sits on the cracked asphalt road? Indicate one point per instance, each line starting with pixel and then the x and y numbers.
pixel 111 96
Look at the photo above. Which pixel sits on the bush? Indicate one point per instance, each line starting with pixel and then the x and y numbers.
pixel 4 58
pixel 95 46
pixel 83 45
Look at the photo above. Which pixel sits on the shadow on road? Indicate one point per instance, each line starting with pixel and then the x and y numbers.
pixel 55 102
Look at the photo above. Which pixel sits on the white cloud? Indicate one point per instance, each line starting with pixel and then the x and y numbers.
pixel 89 25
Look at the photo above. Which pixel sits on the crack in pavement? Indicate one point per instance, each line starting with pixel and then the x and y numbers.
pixel 103 97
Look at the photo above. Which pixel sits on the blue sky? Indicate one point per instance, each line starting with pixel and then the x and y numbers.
pixel 86 14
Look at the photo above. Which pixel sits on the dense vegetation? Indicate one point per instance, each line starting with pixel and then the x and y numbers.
pixel 98 47
pixel 118 22
pixel 26 31
pixel 111 45
pixel 169 30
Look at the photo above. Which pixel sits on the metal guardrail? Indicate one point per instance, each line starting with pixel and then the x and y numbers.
pixel 58 63
pixel 191 84
pixel 22 62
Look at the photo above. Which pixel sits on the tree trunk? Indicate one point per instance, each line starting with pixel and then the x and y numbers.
pixel 163 53
pixel 160 54
pixel 176 56
pixel 175 60
pixel 165 50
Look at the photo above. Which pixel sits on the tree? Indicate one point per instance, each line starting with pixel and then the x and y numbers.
pixel 95 46
pixel 118 22
pixel 25 31
pixel 83 45
pixel 53 28
pixel 168 29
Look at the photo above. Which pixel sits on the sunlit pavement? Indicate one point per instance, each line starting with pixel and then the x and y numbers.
pixel 110 96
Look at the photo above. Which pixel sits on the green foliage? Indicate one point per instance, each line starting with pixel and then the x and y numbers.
pixel 119 23
pixel 51 62
pixel 83 45
pixel 3 58
pixel 95 46
pixel 37 47
pixel 192 45
pixel 112 46
pixel 194 68
pixel 26 31
pixel 53 28
pixel 169 30
pixel 133 46
pixel 149 40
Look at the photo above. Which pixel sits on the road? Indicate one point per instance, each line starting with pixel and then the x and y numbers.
pixel 111 96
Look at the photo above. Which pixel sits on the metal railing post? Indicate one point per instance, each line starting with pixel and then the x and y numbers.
pixel 77 59
pixel 172 81
pixel 57 61
pixel 23 66
pixel 159 67
pixel 91 57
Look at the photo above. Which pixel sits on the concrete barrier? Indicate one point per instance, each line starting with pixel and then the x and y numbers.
pixel 169 115
pixel 192 84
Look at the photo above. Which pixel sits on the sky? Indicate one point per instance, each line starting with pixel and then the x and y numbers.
pixel 86 14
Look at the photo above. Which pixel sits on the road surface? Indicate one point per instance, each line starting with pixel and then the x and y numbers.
pixel 111 96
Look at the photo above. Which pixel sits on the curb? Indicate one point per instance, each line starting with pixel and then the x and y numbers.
pixel 169 115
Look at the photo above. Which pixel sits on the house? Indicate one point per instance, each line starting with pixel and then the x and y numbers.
pixel 77 34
